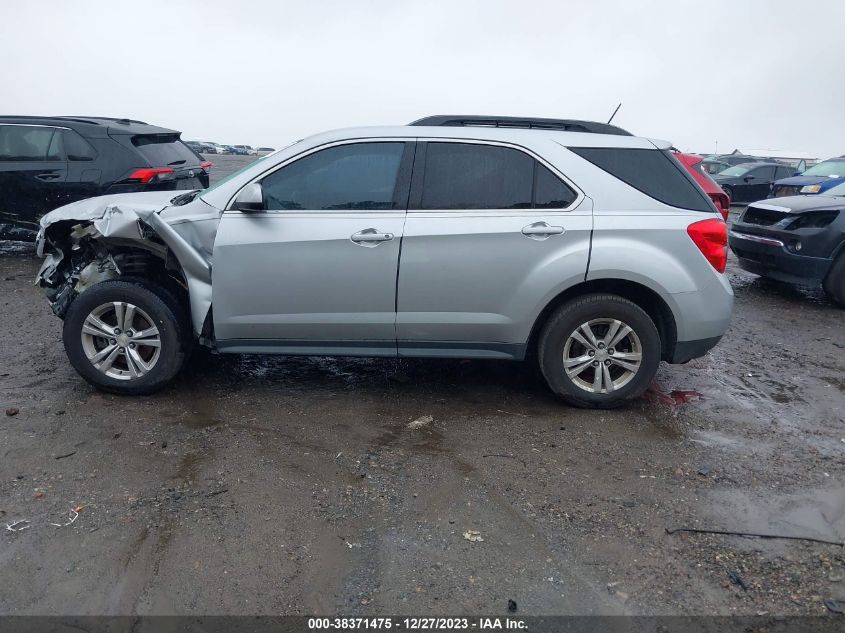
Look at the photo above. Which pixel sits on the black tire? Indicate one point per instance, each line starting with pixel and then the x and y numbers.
pixel 567 319
pixel 729 190
pixel 163 310
pixel 834 281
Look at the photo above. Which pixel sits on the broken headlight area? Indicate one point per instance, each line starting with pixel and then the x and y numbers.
pixel 77 256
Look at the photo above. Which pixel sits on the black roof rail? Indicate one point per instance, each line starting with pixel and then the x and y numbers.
pixel 565 125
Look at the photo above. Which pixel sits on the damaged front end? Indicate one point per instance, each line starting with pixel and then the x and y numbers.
pixel 152 237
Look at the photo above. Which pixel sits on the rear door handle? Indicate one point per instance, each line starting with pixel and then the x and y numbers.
pixel 50 175
pixel 541 230
pixel 370 237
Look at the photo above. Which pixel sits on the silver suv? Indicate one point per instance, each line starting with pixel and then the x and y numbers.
pixel 569 242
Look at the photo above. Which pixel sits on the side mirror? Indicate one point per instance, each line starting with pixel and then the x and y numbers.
pixel 250 199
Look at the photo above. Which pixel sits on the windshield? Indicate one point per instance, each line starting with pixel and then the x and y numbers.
pixel 736 170
pixel 838 190
pixel 827 168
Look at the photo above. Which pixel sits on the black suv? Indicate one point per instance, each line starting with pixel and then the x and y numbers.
pixel 47 162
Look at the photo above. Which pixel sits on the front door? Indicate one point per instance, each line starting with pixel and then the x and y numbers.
pixel 315 271
pixel 490 231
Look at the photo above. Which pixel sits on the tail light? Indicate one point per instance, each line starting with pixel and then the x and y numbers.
pixel 711 238
pixel 206 165
pixel 153 174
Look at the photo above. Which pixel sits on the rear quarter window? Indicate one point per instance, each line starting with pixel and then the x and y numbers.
pixel 653 172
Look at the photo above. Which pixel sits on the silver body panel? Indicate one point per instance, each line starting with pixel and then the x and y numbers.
pixel 447 283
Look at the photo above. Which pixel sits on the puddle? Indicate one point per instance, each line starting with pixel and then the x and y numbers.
pixel 818 513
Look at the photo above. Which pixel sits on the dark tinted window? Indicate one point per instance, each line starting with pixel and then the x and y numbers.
pixel 550 192
pixel 654 172
pixel 763 173
pixel 468 176
pixel 25 143
pixel 163 150
pixel 355 176
pixel 69 145
pixel 785 172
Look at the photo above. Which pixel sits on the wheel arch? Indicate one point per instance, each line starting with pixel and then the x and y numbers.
pixel 643 296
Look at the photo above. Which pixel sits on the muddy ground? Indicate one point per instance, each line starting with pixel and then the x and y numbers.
pixel 295 486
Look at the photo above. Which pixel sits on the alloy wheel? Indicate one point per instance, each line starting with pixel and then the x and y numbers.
pixel 121 340
pixel 602 355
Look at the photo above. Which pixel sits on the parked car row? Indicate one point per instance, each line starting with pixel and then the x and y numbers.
pixel 203 147
pixel 48 162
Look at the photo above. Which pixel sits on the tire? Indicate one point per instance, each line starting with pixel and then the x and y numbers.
pixel 729 190
pixel 126 363
pixel 834 281
pixel 559 338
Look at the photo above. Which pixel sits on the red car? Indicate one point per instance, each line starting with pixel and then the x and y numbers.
pixel 693 164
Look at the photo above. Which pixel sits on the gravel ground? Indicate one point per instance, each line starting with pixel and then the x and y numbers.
pixel 295 485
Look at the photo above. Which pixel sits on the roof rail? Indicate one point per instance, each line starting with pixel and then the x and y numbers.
pixel 95 119
pixel 566 125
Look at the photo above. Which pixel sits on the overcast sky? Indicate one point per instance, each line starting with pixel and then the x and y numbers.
pixel 745 73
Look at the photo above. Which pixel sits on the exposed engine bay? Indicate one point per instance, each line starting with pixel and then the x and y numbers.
pixel 153 237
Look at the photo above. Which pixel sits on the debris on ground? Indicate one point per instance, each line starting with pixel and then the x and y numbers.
pixel 12 411
pixel 473 536
pixel 65 455
pixel 18 526
pixel 812 539
pixel 74 515
pixel 421 422
pixel 512 606
pixel 736 579
pixel 835 606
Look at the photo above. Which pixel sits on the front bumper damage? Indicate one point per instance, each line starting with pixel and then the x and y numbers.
pixel 128 235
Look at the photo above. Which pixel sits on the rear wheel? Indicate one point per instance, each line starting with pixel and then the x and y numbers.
pixel 729 190
pixel 125 337
pixel 598 351
pixel 834 282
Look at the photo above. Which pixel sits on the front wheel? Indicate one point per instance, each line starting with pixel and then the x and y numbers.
pixel 597 351
pixel 125 337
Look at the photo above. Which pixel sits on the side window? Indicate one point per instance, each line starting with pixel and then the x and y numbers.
pixel 470 176
pixel 654 172
pixel 550 192
pixel 763 173
pixel 76 147
pixel 25 143
pixel 354 176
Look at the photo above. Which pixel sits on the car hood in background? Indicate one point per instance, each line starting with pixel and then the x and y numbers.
pixel 799 204
pixel 802 181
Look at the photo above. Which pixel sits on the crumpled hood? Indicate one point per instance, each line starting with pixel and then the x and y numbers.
pixel 95 208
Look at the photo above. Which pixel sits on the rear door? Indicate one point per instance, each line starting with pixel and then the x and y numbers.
pixel 315 272
pixel 32 174
pixel 486 226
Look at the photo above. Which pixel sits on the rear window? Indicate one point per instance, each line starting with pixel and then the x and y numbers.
pixel 654 172
pixel 164 150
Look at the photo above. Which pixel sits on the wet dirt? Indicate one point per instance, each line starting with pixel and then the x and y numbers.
pixel 294 485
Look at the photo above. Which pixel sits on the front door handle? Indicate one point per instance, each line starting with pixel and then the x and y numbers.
pixel 50 175
pixel 541 230
pixel 370 237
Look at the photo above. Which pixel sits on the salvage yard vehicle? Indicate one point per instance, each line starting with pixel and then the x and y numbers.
pixel 47 162
pixel 796 239
pixel 570 242
pixel 751 181
pixel 695 166
pixel 817 179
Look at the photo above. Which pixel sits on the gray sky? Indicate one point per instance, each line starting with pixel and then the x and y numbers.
pixel 750 73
